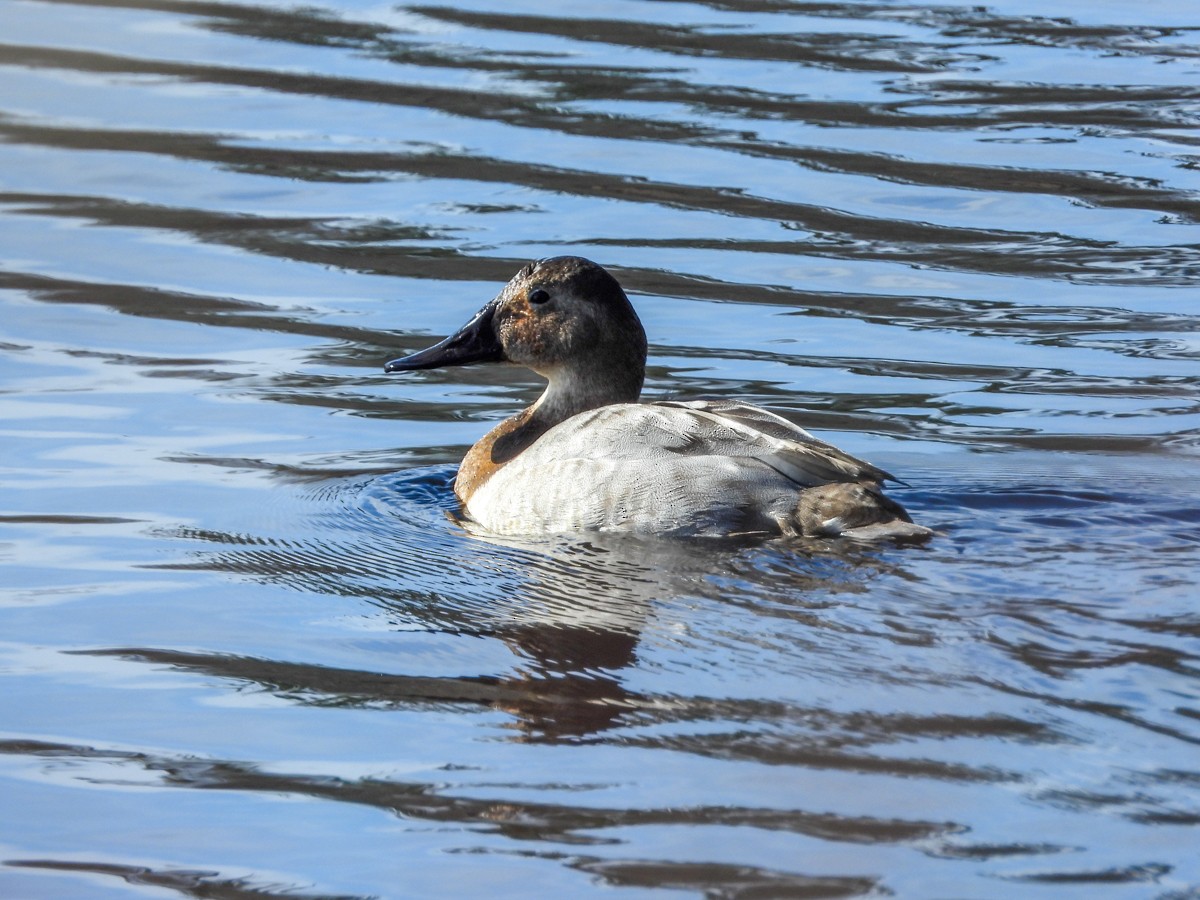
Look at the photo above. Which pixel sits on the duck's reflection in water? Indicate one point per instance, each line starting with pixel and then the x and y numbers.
pixel 573 612
pixel 574 615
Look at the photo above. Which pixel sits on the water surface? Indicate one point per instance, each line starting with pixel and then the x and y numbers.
pixel 248 652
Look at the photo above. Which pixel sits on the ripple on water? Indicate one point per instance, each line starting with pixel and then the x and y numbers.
pixel 955 239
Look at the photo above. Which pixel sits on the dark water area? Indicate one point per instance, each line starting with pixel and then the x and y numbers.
pixel 246 648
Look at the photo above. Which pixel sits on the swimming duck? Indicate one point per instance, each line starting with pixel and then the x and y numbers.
pixel 588 456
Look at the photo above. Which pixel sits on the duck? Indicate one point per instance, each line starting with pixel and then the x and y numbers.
pixel 587 456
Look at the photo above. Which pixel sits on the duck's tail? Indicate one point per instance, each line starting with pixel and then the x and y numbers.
pixel 857 510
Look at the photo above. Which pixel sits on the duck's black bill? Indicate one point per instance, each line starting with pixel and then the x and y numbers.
pixel 475 342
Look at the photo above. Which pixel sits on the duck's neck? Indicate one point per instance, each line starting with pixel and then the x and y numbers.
pixel 566 395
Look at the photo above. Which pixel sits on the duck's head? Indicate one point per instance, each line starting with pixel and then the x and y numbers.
pixel 565 318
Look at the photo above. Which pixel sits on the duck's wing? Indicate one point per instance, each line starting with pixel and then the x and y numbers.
pixel 728 429
pixel 790 449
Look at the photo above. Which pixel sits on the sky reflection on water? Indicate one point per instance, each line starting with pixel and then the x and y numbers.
pixel 248 651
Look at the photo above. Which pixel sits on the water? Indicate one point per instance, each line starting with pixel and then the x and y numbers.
pixel 247 651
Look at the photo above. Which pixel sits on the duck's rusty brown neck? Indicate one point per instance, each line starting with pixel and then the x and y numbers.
pixel 566 395
pixel 497 447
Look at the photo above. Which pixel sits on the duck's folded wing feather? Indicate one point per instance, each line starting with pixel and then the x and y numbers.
pixel 790 449
pixel 755 417
pixel 701 428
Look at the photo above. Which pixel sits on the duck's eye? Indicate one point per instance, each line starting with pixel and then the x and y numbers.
pixel 537 296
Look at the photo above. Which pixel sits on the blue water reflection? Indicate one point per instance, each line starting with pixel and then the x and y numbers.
pixel 249 649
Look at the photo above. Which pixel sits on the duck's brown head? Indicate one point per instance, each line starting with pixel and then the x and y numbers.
pixel 565 318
